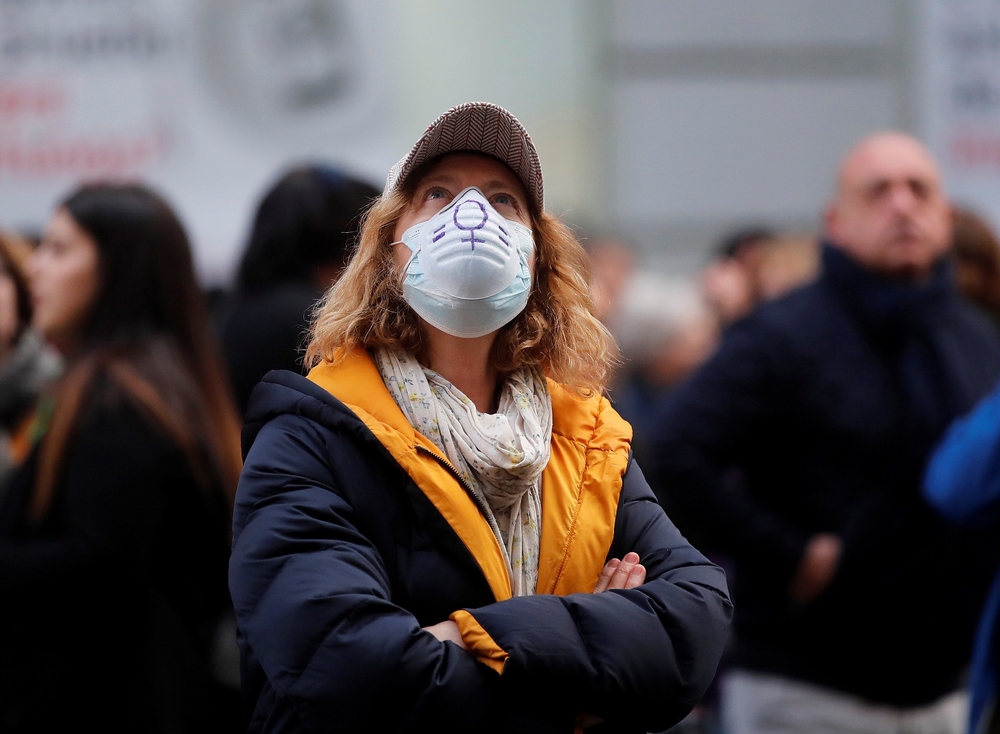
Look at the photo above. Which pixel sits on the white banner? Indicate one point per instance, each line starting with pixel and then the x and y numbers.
pixel 960 72
pixel 207 99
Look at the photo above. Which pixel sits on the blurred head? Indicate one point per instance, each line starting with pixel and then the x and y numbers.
pixel 786 262
pixel 977 259
pixel 556 331
pixel 743 244
pixel 889 212
pixel 304 228
pixel 612 262
pixel 15 298
pixel 65 276
pixel 666 329
pixel 114 264
pixel 728 287
pixel 729 283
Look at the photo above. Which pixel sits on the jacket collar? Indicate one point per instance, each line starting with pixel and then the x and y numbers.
pixel 580 485
pixel 356 382
pixel 880 302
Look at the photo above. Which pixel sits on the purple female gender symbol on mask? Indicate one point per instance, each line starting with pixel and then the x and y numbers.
pixel 471 230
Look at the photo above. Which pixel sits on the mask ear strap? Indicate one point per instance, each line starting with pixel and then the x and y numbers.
pixel 416 238
pixel 410 259
pixel 525 237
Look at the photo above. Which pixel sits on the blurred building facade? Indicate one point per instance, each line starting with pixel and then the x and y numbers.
pixel 669 121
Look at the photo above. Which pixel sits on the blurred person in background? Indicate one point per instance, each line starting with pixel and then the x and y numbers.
pixel 728 281
pixel 114 533
pixel 756 265
pixel 299 244
pixel 441 528
pixel 665 330
pixel 27 363
pixel 612 264
pixel 786 262
pixel 963 483
pixel 855 604
pixel 977 262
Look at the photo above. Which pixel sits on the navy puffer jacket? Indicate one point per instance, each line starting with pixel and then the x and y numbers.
pixel 340 559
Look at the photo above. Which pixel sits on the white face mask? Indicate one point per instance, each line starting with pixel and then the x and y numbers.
pixel 468 274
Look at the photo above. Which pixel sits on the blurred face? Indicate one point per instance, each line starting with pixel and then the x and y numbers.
pixel 728 288
pixel 454 173
pixel 611 265
pixel 63 275
pixel 683 354
pixel 890 213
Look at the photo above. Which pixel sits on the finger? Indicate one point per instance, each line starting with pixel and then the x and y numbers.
pixel 605 578
pixel 620 578
pixel 637 577
pixel 620 575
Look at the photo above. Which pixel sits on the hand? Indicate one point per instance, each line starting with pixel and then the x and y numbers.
pixel 816 569
pixel 447 631
pixel 624 574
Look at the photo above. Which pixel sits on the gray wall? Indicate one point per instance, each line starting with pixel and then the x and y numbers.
pixel 725 112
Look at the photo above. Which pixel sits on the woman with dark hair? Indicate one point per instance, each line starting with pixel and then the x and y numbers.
pixel 441 527
pixel 299 244
pixel 114 533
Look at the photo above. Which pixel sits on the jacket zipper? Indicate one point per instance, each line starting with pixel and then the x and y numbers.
pixel 483 508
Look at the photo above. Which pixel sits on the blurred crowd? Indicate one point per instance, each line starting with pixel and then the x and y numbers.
pixel 667 325
pixel 785 401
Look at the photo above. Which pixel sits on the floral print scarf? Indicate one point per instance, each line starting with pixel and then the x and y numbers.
pixel 499 455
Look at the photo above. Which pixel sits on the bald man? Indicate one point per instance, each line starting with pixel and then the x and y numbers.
pixel 890 213
pixel 799 447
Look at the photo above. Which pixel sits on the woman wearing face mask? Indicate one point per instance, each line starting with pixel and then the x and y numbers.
pixel 441 528
pixel 114 533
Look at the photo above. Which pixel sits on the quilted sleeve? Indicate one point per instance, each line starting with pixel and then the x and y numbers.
pixel 639 659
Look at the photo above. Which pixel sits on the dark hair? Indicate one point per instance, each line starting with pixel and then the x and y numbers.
pixel 309 217
pixel 734 242
pixel 146 280
pixel 977 259
pixel 148 333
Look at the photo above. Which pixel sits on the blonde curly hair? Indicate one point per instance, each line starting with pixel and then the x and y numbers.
pixel 557 332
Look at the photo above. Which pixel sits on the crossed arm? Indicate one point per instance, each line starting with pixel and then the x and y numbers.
pixel 626 573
